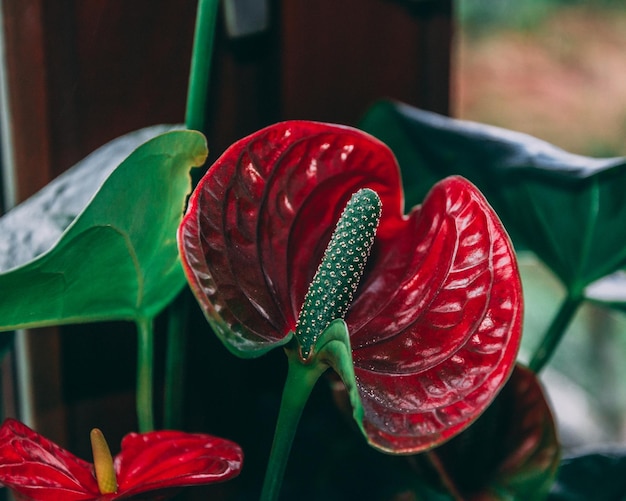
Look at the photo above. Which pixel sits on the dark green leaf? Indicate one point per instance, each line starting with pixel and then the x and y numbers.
pixel 569 209
pixel 118 258
pixel 594 476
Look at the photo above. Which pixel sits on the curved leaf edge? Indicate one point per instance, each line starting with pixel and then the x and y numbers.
pixel 557 163
pixel 522 160
pixel 196 157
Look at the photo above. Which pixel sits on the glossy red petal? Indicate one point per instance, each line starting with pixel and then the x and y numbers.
pixel 435 324
pixel 168 459
pixel 441 341
pixel 260 219
pixel 37 469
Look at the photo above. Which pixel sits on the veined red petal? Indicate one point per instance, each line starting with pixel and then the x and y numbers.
pixel 259 221
pixel 38 469
pixel 436 321
pixel 437 349
pixel 440 348
pixel 169 459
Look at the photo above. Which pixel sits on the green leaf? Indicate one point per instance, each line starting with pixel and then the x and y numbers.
pixel 569 209
pixel 510 452
pixel 118 258
pixel 34 226
pixel 598 476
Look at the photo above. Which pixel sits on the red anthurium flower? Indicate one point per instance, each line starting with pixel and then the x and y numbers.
pixel 150 465
pixel 435 323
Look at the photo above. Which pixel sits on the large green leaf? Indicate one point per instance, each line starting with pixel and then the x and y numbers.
pixel 569 209
pixel 117 259
pixel 598 476
pixel 34 226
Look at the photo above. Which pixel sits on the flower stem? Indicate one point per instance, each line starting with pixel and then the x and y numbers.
pixel 555 332
pixel 200 70
pixel 301 379
pixel 175 362
pixel 145 360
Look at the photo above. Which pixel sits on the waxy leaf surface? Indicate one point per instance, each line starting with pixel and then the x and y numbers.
pixel 597 475
pixel 102 248
pixel 36 469
pixel 569 209
pixel 435 323
pixel 34 226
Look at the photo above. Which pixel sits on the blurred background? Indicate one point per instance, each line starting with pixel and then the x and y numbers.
pixel 78 73
pixel 552 68
pixel 556 69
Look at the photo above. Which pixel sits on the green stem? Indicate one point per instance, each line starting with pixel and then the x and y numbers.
pixel 175 362
pixel 200 70
pixel 300 381
pixel 555 332
pixel 145 360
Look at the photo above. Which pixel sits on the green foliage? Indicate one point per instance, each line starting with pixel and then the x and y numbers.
pixel 118 259
pixel 568 209
pixel 479 16
pixel 598 476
